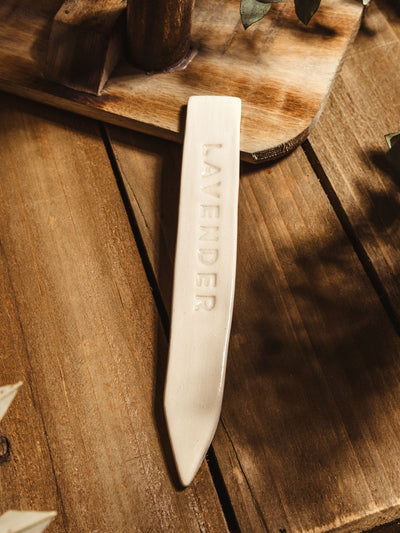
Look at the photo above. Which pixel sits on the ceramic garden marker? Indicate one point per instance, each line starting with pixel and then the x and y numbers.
pixel 7 394
pixel 25 521
pixel 204 278
pixel 20 521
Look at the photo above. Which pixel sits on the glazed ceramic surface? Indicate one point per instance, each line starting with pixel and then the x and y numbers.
pixel 204 278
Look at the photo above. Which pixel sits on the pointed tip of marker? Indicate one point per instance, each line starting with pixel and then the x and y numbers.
pixel 18 521
pixel 7 389
pixel 190 436
pixel 16 386
pixel 7 395
pixel 187 475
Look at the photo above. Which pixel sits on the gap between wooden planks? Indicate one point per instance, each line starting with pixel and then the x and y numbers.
pixel 237 461
pixel 350 145
pixel 80 328
pixel 309 435
pixel 305 321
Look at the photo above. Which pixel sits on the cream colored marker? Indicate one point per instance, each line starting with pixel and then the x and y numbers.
pixel 204 278
pixel 25 521
pixel 7 394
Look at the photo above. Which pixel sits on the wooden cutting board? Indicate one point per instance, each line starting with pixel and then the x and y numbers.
pixel 281 70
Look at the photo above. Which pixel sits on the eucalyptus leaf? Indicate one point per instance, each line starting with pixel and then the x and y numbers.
pixel 394 136
pixel 252 11
pixel 393 155
pixel 305 9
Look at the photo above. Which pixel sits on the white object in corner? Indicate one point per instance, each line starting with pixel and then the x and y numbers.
pixel 7 394
pixel 204 278
pixel 25 521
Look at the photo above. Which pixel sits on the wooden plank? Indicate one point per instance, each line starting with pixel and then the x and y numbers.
pixel 316 369
pixel 27 477
pixel 91 331
pixel 280 69
pixel 309 439
pixel 350 146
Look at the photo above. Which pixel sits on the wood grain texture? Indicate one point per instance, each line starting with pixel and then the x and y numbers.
pixel 158 32
pixel 27 479
pixel 280 69
pixel 85 43
pixel 81 313
pixel 351 147
pixel 310 422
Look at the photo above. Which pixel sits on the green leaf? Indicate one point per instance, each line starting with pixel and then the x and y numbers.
pixel 305 9
pixel 394 136
pixel 252 11
pixel 393 155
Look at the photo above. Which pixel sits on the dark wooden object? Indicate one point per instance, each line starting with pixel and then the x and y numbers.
pixel 159 32
pixel 85 43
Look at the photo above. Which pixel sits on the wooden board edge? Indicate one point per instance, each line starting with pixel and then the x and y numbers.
pixel 58 102
pixel 284 149
pixel 75 102
pixel 370 522
pixel 74 106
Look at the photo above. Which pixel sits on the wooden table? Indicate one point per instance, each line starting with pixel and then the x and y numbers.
pixel 309 439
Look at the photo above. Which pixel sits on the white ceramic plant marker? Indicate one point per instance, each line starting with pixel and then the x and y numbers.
pixel 20 521
pixel 25 521
pixel 204 278
pixel 7 394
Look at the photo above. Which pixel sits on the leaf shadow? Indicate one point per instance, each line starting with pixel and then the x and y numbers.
pixel 379 159
pixel 313 356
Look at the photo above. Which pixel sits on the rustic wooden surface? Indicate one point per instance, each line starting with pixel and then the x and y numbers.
pixel 85 43
pixel 309 435
pixel 280 69
pixel 81 330
pixel 353 159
